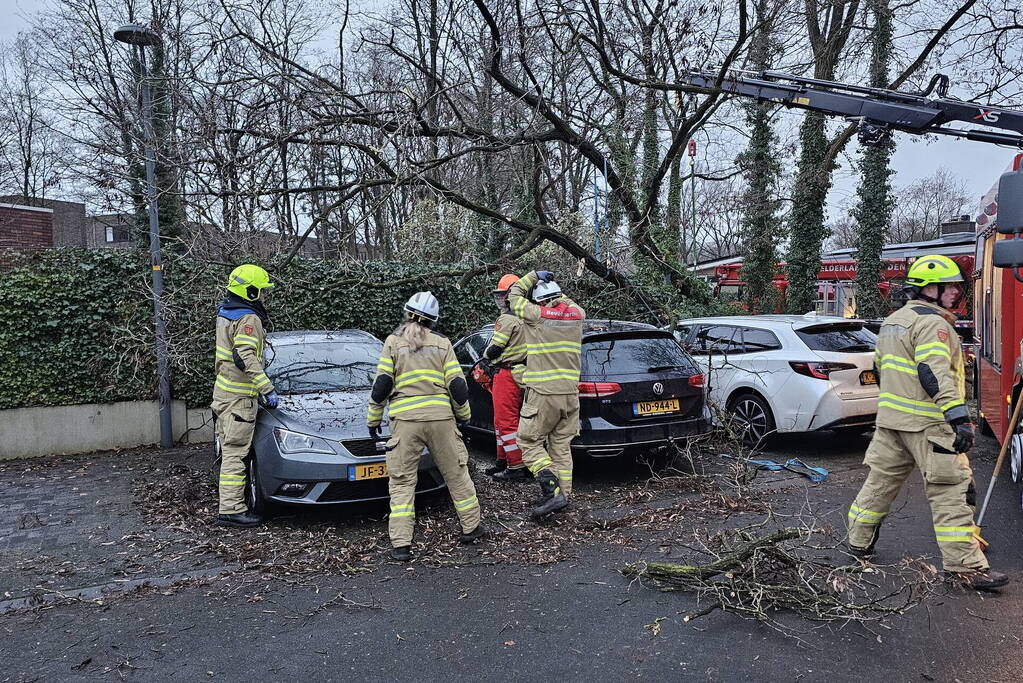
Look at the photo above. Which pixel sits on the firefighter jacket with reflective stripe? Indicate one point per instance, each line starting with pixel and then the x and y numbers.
pixel 553 337
pixel 422 385
pixel 239 355
pixel 508 343
pixel 920 369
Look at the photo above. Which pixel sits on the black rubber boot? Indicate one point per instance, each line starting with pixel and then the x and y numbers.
pixel 513 474
pixel 553 500
pixel 475 535
pixel 402 553
pixel 864 553
pixel 499 466
pixel 860 553
pixel 244 520
pixel 986 580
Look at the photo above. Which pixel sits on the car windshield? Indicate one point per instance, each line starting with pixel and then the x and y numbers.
pixel 627 355
pixel 323 366
pixel 850 338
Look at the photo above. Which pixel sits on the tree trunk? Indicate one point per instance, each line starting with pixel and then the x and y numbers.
pixel 761 228
pixel 873 212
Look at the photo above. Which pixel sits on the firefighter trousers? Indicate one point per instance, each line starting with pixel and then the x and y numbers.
pixel 507 404
pixel 441 437
pixel 891 456
pixel 235 418
pixel 547 425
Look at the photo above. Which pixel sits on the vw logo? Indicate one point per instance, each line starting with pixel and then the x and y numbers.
pixel 658 388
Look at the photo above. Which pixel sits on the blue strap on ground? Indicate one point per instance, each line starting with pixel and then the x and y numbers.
pixel 769 465
pixel 814 474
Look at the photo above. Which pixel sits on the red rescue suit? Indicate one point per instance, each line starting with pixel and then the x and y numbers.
pixel 507 349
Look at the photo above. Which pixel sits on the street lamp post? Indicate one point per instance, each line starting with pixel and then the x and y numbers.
pixel 141 37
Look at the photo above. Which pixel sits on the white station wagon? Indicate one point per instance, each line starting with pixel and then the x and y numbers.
pixel 787 373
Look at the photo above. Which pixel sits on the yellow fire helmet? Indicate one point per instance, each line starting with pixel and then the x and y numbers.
pixel 933 269
pixel 248 281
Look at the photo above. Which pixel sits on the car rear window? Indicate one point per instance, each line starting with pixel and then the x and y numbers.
pixel 323 366
pixel 850 338
pixel 628 355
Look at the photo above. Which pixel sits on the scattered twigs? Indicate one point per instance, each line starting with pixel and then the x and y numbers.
pixel 758 575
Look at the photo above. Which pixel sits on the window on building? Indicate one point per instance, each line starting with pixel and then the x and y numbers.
pixel 117 234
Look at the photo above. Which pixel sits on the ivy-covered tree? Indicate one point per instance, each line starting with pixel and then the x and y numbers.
pixel 873 211
pixel 762 228
pixel 168 191
pixel 828 24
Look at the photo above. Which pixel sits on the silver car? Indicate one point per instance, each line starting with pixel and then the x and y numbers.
pixel 313 449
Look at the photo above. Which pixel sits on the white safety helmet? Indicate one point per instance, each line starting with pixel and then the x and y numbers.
pixel 423 307
pixel 546 290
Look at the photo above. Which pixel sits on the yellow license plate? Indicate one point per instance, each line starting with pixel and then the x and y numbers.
pixel 668 405
pixel 868 377
pixel 377 470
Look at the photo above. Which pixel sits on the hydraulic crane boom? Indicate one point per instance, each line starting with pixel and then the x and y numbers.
pixel 877 111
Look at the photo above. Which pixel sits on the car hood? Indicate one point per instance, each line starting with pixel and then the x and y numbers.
pixel 331 414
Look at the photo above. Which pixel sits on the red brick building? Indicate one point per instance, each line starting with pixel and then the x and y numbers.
pixel 25 227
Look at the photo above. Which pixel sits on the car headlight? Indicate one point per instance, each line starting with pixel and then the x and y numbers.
pixel 294 442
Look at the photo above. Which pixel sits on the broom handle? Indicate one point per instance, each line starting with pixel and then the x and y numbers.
pixel 1001 458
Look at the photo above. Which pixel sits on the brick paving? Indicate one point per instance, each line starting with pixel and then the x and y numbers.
pixel 70 521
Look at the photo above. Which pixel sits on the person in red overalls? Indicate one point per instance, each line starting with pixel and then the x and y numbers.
pixel 504 360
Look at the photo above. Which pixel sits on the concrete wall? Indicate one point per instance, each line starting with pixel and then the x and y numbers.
pixel 57 430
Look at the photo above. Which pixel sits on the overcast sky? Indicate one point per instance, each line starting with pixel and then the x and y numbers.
pixel 977 163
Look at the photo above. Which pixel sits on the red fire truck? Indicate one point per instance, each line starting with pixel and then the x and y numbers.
pixel 998 310
pixel 836 281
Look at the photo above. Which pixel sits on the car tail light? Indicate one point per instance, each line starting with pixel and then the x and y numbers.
pixel 698 381
pixel 598 389
pixel 819 370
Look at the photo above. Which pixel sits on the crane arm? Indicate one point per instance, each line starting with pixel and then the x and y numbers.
pixel 877 111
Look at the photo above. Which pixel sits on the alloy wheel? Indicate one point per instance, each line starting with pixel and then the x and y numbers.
pixel 753 419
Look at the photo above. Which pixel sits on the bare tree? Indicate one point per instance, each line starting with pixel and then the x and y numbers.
pixel 33 155
pixel 922 206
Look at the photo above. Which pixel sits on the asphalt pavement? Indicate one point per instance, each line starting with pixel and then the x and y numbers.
pixel 74 523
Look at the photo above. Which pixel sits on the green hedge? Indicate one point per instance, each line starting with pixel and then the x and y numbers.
pixel 76 325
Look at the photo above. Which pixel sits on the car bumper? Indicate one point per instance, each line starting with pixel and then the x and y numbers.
pixel 834 412
pixel 605 440
pixel 326 477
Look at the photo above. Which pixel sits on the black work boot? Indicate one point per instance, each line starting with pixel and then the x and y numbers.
pixel 980 580
pixel 553 499
pixel 472 536
pixel 245 519
pixel 513 474
pixel 499 466
pixel 402 553
pixel 860 553
pixel 863 553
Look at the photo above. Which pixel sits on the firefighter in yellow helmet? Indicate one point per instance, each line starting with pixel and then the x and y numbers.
pixel 922 421
pixel 549 419
pixel 421 383
pixel 241 338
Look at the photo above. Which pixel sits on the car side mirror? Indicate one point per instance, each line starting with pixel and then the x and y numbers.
pixel 1009 254
pixel 1010 204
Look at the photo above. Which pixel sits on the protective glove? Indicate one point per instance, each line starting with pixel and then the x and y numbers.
pixel 461 424
pixel 374 432
pixel 544 275
pixel 965 437
pixel 270 400
pixel 488 367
